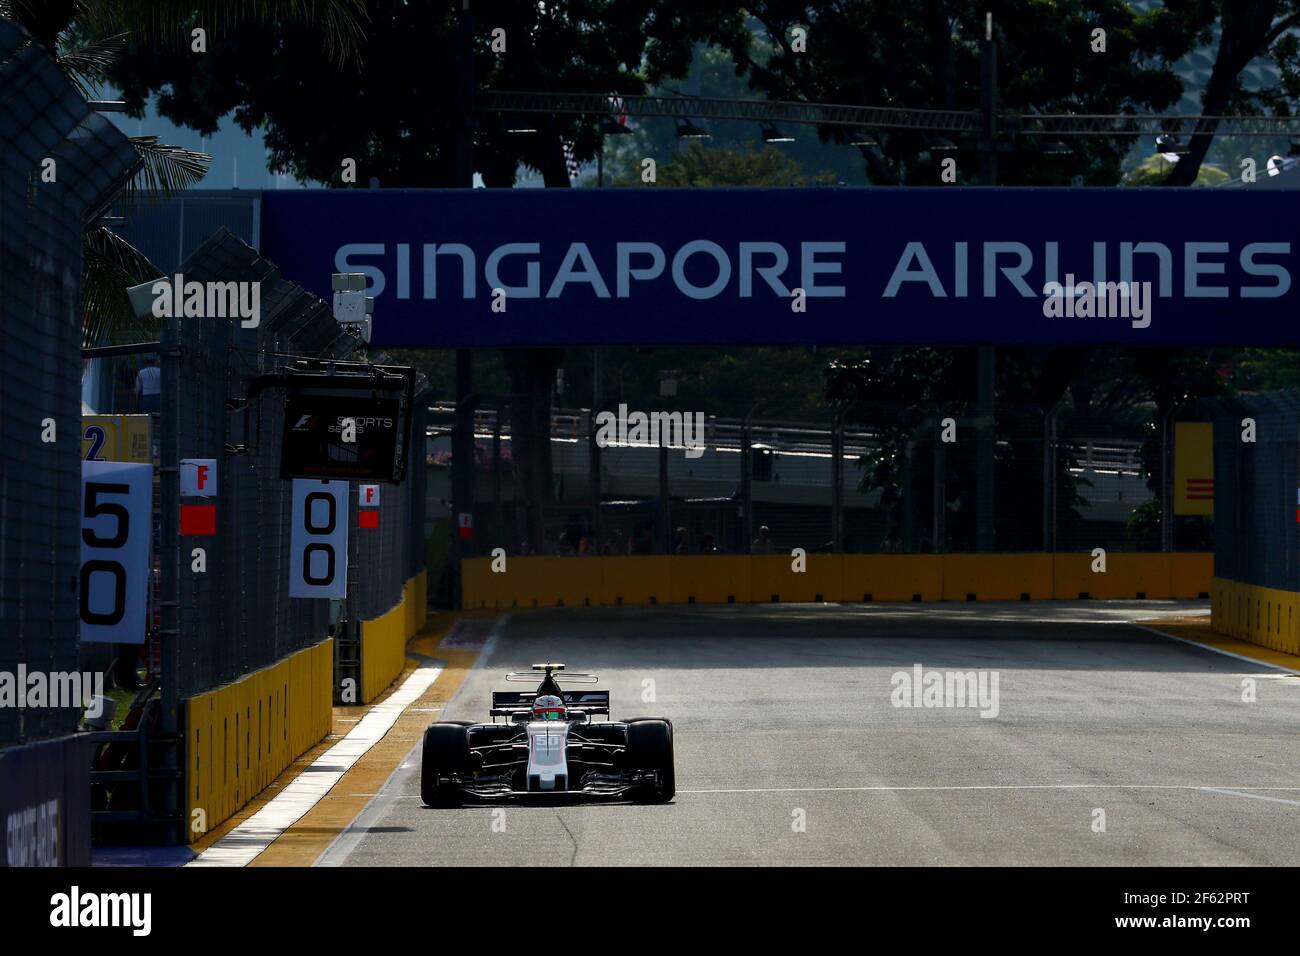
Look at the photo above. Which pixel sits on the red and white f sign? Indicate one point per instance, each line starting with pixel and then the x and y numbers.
pixel 368 496
pixel 199 477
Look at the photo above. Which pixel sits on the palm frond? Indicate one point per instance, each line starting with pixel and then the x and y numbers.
pixel 167 170
pixel 43 19
pixel 167 23
pixel 87 64
pixel 111 265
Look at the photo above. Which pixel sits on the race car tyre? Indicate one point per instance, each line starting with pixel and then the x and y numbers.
pixel 445 751
pixel 650 749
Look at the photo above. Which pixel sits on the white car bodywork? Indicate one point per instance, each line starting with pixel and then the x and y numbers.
pixel 548 742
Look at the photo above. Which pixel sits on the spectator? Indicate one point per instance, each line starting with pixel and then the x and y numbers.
pixel 706 544
pixel 148 386
pixel 616 544
pixel 890 543
pixel 682 545
pixel 642 541
pixel 763 543
pixel 571 539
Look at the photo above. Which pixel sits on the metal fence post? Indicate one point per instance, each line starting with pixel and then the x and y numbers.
pixel 497 511
pixel 1049 478
pixel 909 512
pixel 837 480
pixel 593 452
pixel 746 523
pixel 1167 480
pixel 986 438
pixel 170 555
pixel 940 501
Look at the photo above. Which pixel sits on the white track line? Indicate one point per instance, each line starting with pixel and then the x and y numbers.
pixel 1216 650
pixel 1253 796
pixel 1025 786
pixel 341 846
pixel 246 841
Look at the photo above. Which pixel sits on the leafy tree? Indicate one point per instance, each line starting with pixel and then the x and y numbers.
pixel 394 111
pixel 924 54
pixel 724 382
pixel 87 38
pixel 1248 29
pixel 1142 530
pixel 700 165
pixel 394 108
pixel 1156 170
pixel 1265 370
pixel 713 75
pixel 904 394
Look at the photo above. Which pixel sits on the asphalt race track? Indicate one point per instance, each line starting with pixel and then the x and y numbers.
pixel 783 716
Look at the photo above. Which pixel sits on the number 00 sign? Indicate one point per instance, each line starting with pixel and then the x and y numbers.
pixel 318 559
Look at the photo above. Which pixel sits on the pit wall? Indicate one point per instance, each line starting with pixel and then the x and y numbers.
pixel 241 736
pixel 383 640
pixel 1266 616
pixel 741 579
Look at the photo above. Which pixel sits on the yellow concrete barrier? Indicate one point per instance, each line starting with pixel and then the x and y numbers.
pixel 997 577
pixel 479 586
pixel 639 579
pixel 383 639
pixel 720 579
pixel 1190 574
pixel 710 579
pixel 773 578
pixel 241 736
pixel 1127 575
pixel 892 577
pixel 1266 616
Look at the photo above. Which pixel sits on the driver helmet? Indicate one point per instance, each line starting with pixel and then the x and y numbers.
pixel 548 707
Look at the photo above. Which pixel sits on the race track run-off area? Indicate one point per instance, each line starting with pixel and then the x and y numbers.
pixel 1111 744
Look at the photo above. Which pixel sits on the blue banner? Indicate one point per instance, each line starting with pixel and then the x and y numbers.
pixel 45 803
pixel 829 265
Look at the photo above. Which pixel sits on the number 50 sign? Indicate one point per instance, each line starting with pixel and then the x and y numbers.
pixel 318 544
pixel 116 511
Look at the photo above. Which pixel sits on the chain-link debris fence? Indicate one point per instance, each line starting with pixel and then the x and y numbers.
pixel 238 616
pixel 60 165
pixel 873 477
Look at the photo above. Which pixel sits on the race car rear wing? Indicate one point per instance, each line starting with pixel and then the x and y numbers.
pixel 507 703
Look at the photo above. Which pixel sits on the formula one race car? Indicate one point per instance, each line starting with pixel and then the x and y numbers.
pixel 547 742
